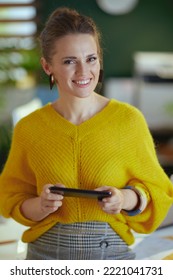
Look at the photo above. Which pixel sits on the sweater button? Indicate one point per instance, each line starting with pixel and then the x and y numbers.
pixel 104 244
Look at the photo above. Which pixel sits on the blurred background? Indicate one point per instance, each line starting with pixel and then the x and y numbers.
pixel 137 39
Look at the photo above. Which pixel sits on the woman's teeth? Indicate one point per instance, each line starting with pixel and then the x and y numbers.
pixel 84 82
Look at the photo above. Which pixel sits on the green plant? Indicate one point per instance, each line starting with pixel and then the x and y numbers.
pixel 5 142
pixel 15 65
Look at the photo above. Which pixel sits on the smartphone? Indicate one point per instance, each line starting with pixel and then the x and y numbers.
pixel 80 192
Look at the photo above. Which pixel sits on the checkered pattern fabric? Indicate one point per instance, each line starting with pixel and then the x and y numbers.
pixel 79 241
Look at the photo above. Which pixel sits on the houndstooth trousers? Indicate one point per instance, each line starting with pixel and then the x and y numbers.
pixel 79 241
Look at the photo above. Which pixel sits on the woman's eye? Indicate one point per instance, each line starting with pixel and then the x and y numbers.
pixel 92 59
pixel 69 61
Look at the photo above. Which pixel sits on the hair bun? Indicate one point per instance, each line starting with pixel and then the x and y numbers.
pixel 64 11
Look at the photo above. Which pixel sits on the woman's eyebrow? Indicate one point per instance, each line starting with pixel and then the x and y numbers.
pixel 90 55
pixel 74 57
pixel 69 57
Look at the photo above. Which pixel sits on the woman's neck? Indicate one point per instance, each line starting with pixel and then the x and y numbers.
pixel 78 110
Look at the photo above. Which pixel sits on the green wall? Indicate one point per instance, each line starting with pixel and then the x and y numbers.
pixel 149 27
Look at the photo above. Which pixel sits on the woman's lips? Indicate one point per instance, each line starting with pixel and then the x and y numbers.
pixel 82 82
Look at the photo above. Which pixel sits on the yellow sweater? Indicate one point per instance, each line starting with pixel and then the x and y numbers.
pixel 112 148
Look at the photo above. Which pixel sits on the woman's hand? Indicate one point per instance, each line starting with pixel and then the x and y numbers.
pixel 38 208
pixel 120 199
pixel 50 202
pixel 114 203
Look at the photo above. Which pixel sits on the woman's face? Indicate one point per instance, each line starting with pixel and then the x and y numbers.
pixel 75 65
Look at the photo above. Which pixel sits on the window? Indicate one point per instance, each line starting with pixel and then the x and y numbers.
pixel 18 30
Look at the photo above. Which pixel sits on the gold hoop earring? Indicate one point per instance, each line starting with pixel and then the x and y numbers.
pixel 51 81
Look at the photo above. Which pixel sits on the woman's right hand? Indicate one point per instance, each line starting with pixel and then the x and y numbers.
pixel 38 208
pixel 50 202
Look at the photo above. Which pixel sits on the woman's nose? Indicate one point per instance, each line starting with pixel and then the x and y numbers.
pixel 81 68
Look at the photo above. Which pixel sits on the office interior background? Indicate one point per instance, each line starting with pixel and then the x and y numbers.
pixel 137 40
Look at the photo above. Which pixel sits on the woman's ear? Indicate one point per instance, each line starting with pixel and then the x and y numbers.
pixel 46 66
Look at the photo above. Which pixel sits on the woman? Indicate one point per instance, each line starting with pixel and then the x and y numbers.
pixel 82 140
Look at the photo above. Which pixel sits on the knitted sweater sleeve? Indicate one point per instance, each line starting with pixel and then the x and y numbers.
pixel 148 174
pixel 17 181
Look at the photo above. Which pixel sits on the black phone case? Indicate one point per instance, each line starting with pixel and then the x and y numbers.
pixel 80 192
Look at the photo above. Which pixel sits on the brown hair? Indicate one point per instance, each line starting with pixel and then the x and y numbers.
pixel 65 21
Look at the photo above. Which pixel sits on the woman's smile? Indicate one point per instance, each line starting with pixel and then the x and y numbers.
pixel 82 83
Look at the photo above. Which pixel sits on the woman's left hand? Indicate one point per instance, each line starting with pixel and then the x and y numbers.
pixel 114 203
